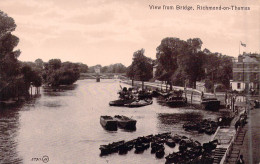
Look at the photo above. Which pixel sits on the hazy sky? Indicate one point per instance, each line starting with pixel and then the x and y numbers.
pixel 109 31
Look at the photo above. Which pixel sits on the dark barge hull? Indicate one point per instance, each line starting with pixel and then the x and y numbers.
pixel 210 104
pixel 120 102
pixel 125 122
pixel 108 123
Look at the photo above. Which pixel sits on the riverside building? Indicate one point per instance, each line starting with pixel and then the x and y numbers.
pixel 246 73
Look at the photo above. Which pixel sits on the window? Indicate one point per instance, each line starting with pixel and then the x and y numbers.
pixel 256 76
pixel 240 76
pixel 238 86
pixel 256 67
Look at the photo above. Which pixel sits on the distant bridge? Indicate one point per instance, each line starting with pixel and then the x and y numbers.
pixel 103 75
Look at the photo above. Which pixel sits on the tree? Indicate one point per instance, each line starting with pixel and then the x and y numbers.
pixel 167 53
pixel 31 77
pixel 57 73
pixel 92 68
pixel 218 68
pixel 83 68
pixel 39 63
pixel 130 73
pixel 141 67
pixel 9 65
pixel 179 60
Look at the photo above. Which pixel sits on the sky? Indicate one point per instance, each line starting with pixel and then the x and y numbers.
pixel 110 31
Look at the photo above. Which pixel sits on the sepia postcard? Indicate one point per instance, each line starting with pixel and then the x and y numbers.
pixel 129 81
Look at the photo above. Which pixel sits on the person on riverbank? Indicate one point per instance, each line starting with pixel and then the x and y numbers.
pixel 237 124
pixel 241 160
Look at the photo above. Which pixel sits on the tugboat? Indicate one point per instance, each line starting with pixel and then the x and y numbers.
pixel 108 122
pixel 125 122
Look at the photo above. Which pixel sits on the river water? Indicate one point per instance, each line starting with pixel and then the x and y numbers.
pixel 64 125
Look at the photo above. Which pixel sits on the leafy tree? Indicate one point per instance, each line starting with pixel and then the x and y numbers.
pixel 130 73
pixel 31 76
pixel 92 68
pixel 57 73
pixel 176 60
pixel 114 68
pixel 10 76
pixel 218 68
pixel 141 67
pixel 39 63
pixel 83 68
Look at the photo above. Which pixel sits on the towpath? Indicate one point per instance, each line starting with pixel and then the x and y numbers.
pixel 247 141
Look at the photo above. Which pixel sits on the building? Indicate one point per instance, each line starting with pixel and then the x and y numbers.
pixel 201 86
pixel 154 70
pixel 246 73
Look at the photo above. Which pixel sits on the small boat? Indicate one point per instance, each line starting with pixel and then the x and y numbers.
pixel 125 122
pixel 139 103
pixel 120 102
pixel 170 142
pixel 164 94
pixel 176 100
pixel 160 153
pixel 111 148
pixel 210 103
pixel 144 95
pixel 108 122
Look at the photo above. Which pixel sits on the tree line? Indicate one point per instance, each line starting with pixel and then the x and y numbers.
pixel 179 62
pixel 112 68
pixel 16 77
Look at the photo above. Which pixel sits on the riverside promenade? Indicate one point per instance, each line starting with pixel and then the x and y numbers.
pixel 247 141
pixel 193 95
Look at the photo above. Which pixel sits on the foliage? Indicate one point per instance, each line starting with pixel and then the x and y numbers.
pixel 57 73
pixel 141 67
pixel 130 72
pixel 218 68
pixel 12 82
pixel 209 85
pixel 112 68
pixel 181 61
pixel 92 68
pixel 83 68
pixel 31 76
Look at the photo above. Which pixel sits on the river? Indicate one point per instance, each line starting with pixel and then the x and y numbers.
pixel 64 127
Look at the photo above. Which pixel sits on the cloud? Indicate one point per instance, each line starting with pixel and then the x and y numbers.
pixel 96 17
pixel 86 30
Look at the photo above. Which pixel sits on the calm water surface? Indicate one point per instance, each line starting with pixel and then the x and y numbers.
pixel 64 125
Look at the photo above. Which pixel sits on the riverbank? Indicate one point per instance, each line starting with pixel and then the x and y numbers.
pixel 232 143
pixel 193 95
pixel 14 102
pixel 247 141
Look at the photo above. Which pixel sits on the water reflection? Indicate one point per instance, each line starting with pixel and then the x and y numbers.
pixel 174 118
pixel 9 125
